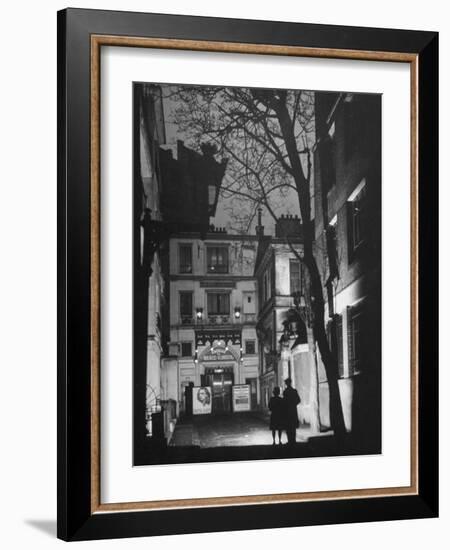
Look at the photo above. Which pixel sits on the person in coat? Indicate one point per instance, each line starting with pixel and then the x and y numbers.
pixel 277 416
pixel 291 400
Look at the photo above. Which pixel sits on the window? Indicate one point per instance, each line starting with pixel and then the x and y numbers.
pixel 185 255
pixel 356 219
pixel 218 303
pixel 212 194
pixel 250 347
pixel 186 349
pixel 331 250
pixel 267 282
pixel 295 274
pixel 217 259
pixel 186 305
pixel 355 334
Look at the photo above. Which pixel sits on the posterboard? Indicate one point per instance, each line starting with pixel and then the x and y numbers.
pixel 201 400
pixel 241 397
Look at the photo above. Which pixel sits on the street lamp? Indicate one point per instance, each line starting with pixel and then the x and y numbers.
pixel 237 312
pixel 303 309
pixel 296 321
pixel 286 331
pixel 199 313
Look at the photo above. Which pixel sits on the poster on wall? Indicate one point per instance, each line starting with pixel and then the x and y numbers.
pixel 241 398
pixel 201 402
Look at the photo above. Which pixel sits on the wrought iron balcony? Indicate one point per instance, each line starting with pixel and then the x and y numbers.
pixel 218 319
pixel 187 320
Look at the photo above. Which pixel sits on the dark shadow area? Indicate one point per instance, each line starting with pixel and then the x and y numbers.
pixel 320 446
pixel 46 526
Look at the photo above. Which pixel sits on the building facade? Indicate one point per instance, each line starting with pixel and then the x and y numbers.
pixel 285 344
pixel 213 305
pixel 347 177
pixel 148 251
pixel 162 206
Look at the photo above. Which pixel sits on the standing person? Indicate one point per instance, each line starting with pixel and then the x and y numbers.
pixel 188 399
pixel 291 399
pixel 277 416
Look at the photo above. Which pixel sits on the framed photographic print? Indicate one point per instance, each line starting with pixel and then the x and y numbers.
pixel 247 274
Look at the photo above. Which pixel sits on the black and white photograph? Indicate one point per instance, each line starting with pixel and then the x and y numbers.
pixel 223 288
pixel 257 290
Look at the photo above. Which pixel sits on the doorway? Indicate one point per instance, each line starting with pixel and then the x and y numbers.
pixel 220 380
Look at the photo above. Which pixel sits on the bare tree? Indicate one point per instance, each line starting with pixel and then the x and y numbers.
pixel 267 137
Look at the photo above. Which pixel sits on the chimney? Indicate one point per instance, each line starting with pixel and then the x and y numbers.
pixel 259 227
pixel 288 225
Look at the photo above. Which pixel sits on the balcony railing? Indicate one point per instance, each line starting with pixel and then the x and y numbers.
pixel 218 319
pixel 187 320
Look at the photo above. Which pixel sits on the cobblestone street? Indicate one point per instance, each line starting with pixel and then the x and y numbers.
pixel 242 436
pixel 233 430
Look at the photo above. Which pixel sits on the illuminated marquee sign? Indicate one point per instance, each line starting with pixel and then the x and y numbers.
pixel 206 337
pixel 218 352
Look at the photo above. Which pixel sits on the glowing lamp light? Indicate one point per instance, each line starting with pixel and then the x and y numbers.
pixel 237 312
pixel 199 313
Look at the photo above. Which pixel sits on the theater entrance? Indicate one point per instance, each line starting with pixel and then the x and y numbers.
pixel 220 380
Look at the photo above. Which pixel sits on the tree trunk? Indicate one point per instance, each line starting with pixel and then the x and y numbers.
pixel 302 186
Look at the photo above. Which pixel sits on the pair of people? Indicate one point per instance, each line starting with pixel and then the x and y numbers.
pixel 284 412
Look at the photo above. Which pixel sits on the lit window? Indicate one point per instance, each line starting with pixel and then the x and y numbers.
pixel 217 259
